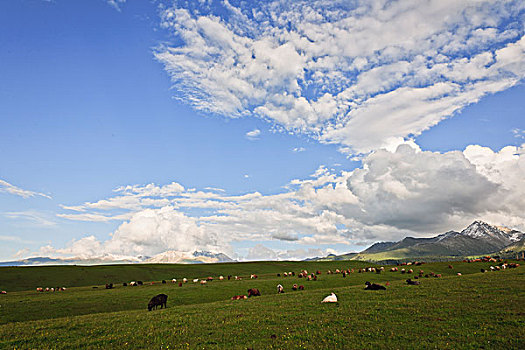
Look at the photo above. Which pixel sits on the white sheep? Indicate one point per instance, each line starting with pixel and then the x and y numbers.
pixel 195 280
pixel 332 298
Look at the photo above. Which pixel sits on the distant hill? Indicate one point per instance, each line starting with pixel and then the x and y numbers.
pixel 479 238
pixel 57 261
pixel 512 250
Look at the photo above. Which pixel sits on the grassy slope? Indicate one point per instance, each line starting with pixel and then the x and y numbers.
pixel 28 278
pixel 471 311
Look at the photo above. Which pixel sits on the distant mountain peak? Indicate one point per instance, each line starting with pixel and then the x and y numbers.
pixel 480 229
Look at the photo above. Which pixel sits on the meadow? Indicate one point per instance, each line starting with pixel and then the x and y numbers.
pixel 472 311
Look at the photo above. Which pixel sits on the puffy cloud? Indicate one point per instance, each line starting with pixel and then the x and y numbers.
pixel 361 74
pixel 17 191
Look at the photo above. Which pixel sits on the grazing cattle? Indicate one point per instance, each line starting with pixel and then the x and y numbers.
pixel 3 292
pixel 133 283
pixel 393 269
pixel 278 275
pixel 374 286
pixel 239 297
pixel 180 284
pixel 332 298
pixel 294 287
pixel 140 283
pixel 412 283
pixel 252 276
pixel 163 281
pixel 185 280
pixel 403 271
pixel 301 287
pixel 410 271
pixel 174 280
pixel 450 267
pixel 210 279
pixel 158 300
pixel 109 285
pixel 124 284
pixel 221 278
pixel 253 292
pixel 459 273
pixel 40 289
pixel 280 289
pixel 318 272
pixel 344 274
pixel 203 282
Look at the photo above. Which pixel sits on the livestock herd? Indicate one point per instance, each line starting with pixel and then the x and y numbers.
pixel 403 268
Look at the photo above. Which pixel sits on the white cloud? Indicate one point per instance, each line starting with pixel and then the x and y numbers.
pixel 17 191
pixel 360 74
pixel 518 133
pixel 253 135
pixel 298 149
pixel 116 4
pixel 32 216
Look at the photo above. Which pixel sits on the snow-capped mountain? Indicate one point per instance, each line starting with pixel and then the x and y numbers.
pixel 177 257
pixel 497 234
pixel 477 239
pixel 168 257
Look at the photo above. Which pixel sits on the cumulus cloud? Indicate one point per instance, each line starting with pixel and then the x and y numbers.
pixel 17 191
pixel 362 74
pixel 393 194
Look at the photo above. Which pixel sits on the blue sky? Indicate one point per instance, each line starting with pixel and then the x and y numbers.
pixel 96 96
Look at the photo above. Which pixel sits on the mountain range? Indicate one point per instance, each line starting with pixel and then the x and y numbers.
pixel 168 257
pixel 479 238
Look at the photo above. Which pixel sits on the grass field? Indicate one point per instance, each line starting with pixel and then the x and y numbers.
pixel 476 310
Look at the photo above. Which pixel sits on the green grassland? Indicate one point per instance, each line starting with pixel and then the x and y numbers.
pixel 472 311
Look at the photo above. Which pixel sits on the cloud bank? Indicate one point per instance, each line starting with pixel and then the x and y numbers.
pixel 361 74
pixel 393 194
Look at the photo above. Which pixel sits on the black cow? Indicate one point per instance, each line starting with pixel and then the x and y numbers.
pixel 374 286
pixel 413 283
pixel 157 300
pixel 253 292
